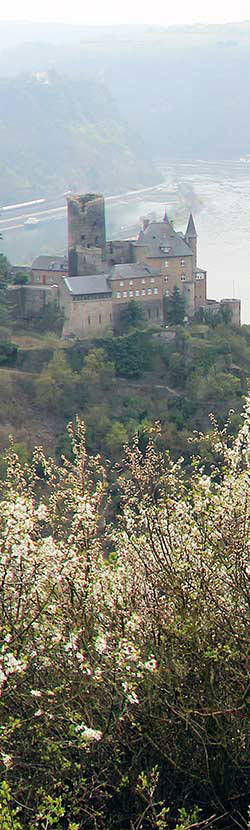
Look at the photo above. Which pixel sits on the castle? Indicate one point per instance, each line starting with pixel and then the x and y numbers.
pixel 100 277
pixel 103 276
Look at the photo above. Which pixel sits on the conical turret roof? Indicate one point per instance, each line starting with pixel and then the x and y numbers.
pixel 191 231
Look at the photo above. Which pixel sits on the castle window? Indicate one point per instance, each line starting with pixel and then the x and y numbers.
pixel 130 282
pixel 152 279
pixel 100 318
pixel 131 293
pixel 183 278
pixel 83 236
pixel 165 279
pixel 183 262
pixel 118 294
pixel 137 293
pixel 143 282
pixel 143 292
pixel 155 290
pixel 167 292
pixel 149 290
pixel 166 263
pixel 89 321
pixel 121 283
pixel 124 294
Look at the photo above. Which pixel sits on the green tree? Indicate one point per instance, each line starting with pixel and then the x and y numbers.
pixel 175 307
pixel 132 316
pixel 57 385
pixel 20 278
pixel 98 372
pixel 116 437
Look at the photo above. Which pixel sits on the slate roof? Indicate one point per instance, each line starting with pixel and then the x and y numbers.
pixel 131 271
pixel 92 284
pixel 163 241
pixel 50 263
pixel 191 230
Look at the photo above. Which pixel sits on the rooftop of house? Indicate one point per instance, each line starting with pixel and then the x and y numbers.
pixel 162 240
pixel 50 263
pixel 136 270
pixel 89 284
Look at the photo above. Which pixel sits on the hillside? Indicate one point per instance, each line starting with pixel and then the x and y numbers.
pixel 184 89
pixel 65 135
pixel 122 385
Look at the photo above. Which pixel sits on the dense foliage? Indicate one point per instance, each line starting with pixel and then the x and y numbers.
pixel 124 668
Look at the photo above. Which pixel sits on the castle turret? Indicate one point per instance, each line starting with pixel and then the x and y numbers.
pixel 191 239
pixel 86 234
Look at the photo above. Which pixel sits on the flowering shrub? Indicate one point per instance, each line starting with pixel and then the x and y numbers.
pixel 124 676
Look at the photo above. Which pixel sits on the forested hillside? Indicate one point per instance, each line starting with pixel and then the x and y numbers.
pixel 184 89
pixel 65 135
pixel 121 386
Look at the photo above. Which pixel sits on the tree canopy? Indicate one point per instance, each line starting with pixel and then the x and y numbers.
pixel 175 307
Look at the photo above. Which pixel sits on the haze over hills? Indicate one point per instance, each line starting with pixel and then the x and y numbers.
pixel 65 134
pixel 184 89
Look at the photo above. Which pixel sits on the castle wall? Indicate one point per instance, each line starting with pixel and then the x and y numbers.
pixel 29 300
pixel 119 252
pixel 192 243
pixel 86 318
pixel 200 289
pixel 152 310
pixel 89 261
pixel 234 307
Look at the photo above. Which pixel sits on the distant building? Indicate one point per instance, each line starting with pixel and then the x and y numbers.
pixel 48 270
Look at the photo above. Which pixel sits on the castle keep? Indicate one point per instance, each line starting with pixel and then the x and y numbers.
pixel 86 234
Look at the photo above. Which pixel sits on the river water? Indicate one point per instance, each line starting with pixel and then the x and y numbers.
pixel 223 226
pixel 222 221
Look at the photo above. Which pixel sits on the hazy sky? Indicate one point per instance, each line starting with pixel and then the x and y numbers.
pixel 129 11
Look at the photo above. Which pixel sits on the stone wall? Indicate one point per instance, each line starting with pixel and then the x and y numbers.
pixel 29 300
pixel 119 252
pixel 86 318
pixel 200 290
